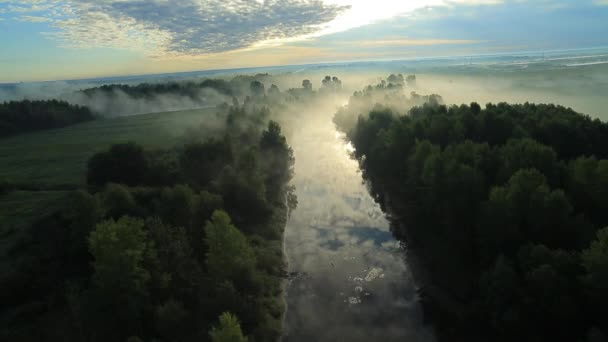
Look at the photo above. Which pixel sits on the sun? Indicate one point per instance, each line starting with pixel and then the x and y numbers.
pixel 364 12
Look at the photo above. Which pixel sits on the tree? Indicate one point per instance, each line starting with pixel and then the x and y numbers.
pixel 117 201
pixel 395 79
pixel 527 154
pixel 527 204
pixel 307 85
pixel 26 115
pixel 179 270
pixel 228 329
pixel 123 163
pixel 595 261
pixel 331 83
pixel 278 161
pixel 273 90
pixel 83 212
pixel 201 163
pixel 500 287
pixel 229 255
pixel 257 88
pixel 206 203
pixel 120 249
pixel 588 186
pixel 176 206
pixel 411 80
pixel 171 320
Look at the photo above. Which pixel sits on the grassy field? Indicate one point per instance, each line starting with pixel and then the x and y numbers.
pixel 58 157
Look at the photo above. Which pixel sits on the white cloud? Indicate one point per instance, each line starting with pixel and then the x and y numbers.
pixel 364 12
pixel 33 19
pixel 198 27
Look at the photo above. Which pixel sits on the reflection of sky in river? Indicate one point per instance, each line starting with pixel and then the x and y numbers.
pixel 351 282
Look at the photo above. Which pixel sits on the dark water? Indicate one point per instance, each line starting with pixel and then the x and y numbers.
pixel 350 279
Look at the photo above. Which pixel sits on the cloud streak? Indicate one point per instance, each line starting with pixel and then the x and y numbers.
pixel 185 27
pixel 171 28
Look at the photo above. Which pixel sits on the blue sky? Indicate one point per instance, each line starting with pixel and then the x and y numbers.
pixel 65 39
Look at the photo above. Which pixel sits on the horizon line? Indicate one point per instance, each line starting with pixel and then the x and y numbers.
pixel 411 59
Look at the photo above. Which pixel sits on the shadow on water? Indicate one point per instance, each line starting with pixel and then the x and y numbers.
pixel 350 279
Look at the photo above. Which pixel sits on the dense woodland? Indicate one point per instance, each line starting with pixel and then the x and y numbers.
pixel 26 116
pixel 180 244
pixel 504 206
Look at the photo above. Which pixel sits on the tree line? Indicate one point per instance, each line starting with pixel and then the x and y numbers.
pixel 505 206
pixel 148 90
pixel 26 116
pixel 181 244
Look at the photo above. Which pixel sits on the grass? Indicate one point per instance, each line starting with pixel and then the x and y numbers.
pixel 58 157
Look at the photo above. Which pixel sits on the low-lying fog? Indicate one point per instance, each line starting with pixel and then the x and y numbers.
pixel 350 279
pixel 581 86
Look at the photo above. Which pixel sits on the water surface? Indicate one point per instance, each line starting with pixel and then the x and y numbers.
pixel 350 280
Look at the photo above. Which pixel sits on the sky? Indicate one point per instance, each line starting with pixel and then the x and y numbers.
pixel 72 39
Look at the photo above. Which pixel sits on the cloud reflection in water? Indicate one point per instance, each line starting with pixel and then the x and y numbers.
pixel 350 279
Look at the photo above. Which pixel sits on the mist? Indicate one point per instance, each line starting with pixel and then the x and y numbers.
pixel 579 86
pixel 349 275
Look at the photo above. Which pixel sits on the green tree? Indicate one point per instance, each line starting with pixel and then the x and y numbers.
pixel 274 90
pixel 278 162
pixel 119 249
pixel 171 320
pixel 500 288
pixel 83 212
pixel 257 88
pixel 595 261
pixel 527 154
pixel 201 163
pixel 307 85
pixel 227 330
pixel 539 213
pixel 176 259
pixel 118 201
pixel 176 206
pixel 123 163
pixel 229 255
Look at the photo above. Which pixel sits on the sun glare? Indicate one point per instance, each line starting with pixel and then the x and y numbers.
pixel 364 12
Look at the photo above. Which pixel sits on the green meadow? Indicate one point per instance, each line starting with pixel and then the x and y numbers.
pixel 50 162
pixel 58 158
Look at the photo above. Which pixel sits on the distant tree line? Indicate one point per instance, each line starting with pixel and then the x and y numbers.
pixel 387 95
pixel 505 207
pixel 150 90
pixel 238 86
pixel 182 244
pixel 26 116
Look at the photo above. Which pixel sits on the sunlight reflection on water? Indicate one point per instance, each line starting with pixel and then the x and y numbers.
pixel 349 278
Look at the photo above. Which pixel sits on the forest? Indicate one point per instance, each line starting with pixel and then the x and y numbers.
pixel 26 116
pixel 182 243
pixel 504 206
pixel 150 90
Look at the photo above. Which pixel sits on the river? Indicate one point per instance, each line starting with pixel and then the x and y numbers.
pixel 349 278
